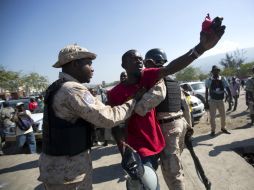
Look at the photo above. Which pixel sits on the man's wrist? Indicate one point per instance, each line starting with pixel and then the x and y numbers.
pixel 197 51
pixel 200 49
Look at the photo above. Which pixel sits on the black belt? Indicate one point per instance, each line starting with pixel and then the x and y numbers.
pixel 169 119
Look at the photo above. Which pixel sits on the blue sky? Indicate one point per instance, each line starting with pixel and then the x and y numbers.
pixel 32 32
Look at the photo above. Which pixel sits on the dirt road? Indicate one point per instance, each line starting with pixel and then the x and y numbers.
pixel 234 119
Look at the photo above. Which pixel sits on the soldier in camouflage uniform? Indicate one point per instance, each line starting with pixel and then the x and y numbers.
pixel 174 118
pixel 250 96
pixel 7 126
pixel 69 112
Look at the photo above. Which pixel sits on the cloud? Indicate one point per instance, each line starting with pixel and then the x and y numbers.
pixel 223 47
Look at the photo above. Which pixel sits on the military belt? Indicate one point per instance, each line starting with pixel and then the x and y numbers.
pixel 168 120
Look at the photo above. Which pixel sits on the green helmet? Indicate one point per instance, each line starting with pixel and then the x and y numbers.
pixel 158 55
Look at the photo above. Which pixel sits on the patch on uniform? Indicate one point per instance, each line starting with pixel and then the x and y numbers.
pixel 88 98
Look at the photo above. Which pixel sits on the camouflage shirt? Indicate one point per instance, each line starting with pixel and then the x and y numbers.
pixel 250 85
pixel 72 101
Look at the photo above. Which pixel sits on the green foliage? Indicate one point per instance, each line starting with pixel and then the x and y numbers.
pixel 203 76
pixel 190 74
pixel 12 81
pixel 234 60
pixel 233 65
pixel 246 70
pixel 229 71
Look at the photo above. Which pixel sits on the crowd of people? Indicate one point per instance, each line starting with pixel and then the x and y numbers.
pixel 142 109
pixel 147 112
pixel 17 121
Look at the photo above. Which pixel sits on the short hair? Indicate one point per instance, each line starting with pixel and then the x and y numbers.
pixel 126 55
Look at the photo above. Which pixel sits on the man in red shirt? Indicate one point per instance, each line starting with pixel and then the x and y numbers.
pixel 144 133
pixel 32 104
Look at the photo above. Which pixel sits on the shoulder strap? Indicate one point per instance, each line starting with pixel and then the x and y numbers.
pixel 52 89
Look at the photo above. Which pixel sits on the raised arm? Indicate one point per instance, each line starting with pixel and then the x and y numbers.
pixel 208 39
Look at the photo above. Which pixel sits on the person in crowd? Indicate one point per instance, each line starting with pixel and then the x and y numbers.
pixel 93 91
pixel 242 83
pixel 33 105
pixel 235 91
pixel 215 86
pixel 174 126
pixel 249 97
pixel 143 132
pixel 24 129
pixel 98 132
pixel 70 111
pixel 40 102
pixel 7 126
pixel 123 76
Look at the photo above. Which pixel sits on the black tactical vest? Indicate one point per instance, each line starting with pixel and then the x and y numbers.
pixel 217 90
pixel 172 102
pixel 60 137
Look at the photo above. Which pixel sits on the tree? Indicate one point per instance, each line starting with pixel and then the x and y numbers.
pixel 12 81
pixel 33 82
pixel 246 70
pixel 9 80
pixel 234 60
pixel 203 76
pixel 188 74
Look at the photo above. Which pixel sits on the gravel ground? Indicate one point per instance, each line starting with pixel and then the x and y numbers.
pixel 234 119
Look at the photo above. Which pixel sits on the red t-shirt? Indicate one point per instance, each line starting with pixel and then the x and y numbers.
pixel 32 106
pixel 144 133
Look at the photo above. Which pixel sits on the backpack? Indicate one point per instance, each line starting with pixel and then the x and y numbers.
pixel 24 122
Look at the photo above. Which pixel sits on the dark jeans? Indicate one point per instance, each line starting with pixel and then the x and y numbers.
pixel 151 161
pixel 28 138
pixel 235 101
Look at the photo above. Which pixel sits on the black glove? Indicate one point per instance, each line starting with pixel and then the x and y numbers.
pixel 188 141
pixel 189 132
pixel 132 163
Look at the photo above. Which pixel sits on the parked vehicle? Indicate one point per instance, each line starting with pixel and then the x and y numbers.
pixel 37 115
pixel 198 108
pixel 1 104
pixel 13 103
pixel 196 89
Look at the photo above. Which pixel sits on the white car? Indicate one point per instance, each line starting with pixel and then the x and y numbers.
pixel 38 117
pixel 198 108
pixel 196 89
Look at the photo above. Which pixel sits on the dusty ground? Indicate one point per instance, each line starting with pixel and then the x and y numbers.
pixel 21 171
pixel 234 119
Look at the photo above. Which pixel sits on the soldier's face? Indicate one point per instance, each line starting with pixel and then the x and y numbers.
pixel 85 70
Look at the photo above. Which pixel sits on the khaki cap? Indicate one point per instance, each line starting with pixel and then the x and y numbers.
pixel 72 52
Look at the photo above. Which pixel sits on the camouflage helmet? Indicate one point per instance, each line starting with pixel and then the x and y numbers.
pixel 158 55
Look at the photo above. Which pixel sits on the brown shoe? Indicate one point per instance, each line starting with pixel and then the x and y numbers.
pixel 212 134
pixel 225 131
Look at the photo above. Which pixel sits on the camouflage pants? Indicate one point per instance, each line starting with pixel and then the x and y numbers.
pixel 171 166
pixel 251 106
pixel 86 184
